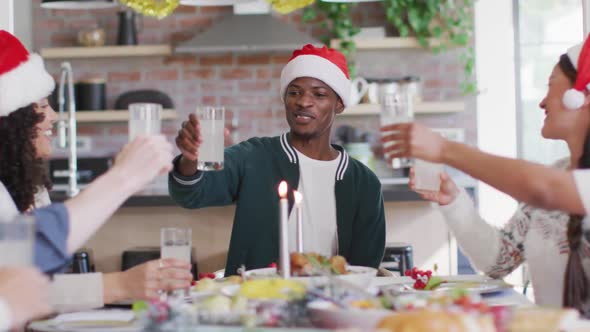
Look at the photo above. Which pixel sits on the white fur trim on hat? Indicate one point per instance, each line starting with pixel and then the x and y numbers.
pixel 316 67
pixel 574 54
pixel 24 85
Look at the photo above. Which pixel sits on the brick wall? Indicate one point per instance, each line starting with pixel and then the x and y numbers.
pixel 246 84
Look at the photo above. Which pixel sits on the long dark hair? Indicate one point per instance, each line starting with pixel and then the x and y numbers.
pixel 21 171
pixel 575 290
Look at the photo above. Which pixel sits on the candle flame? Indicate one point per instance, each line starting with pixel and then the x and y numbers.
pixel 298 197
pixel 283 189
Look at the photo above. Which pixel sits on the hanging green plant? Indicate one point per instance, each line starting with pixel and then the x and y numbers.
pixel 438 25
pixel 338 21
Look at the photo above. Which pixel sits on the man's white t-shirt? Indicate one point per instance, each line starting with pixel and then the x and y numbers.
pixel 316 182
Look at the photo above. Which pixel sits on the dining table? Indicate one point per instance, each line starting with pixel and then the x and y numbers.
pixel 506 297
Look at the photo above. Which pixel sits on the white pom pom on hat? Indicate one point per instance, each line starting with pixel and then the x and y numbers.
pixel 573 99
pixel 579 56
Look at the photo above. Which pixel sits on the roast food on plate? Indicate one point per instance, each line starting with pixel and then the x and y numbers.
pixel 312 264
pixel 437 321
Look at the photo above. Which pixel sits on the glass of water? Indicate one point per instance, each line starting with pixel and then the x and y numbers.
pixel 176 243
pixel 427 175
pixel 396 107
pixel 144 119
pixel 212 121
pixel 16 241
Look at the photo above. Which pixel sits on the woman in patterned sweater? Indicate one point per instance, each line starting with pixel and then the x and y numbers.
pixel 549 241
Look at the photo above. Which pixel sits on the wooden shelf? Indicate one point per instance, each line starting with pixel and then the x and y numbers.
pixel 386 43
pixel 105 51
pixel 114 116
pixel 424 107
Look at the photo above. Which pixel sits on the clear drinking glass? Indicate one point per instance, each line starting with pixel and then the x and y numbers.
pixel 212 121
pixel 427 175
pixel 16 241
pixel 144 119
pixel 396 107
pixel 176 243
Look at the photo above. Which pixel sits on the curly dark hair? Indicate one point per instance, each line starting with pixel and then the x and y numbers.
pixel 21 171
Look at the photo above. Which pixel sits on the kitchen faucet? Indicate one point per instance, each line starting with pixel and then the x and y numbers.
pixel 67 75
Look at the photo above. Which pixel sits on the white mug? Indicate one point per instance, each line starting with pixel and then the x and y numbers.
pixel 358 88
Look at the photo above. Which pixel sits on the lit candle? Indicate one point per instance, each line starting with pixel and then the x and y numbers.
pixel 298 199
pixel 284 259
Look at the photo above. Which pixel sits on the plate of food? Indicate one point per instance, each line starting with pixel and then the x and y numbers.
pixel 313 269
pixel 360 314
pixel 425 282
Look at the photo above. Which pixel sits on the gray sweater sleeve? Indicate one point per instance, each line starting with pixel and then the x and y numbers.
pixel 51 234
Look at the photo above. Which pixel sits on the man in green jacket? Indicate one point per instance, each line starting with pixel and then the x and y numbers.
pixel 342 202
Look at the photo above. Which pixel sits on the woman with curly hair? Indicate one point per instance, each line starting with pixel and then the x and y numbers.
pixel 22 167
pixel 26 126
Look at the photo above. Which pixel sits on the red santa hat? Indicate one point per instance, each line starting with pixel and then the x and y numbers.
pixel 325 64
pixel 23 78
pixel 579 56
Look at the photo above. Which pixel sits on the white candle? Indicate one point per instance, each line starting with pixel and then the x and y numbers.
pixel 298 199
pixel 284 258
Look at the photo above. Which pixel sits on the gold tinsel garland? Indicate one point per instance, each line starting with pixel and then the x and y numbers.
pixel 155 8
pixel 287 6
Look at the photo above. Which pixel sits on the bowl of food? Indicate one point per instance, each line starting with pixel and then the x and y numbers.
pixel 316 270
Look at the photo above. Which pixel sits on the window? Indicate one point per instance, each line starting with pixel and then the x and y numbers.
pixel 545 30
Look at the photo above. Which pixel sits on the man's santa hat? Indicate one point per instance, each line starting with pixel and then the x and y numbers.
pixel 325 64
pixel 23 78
pixel 579 56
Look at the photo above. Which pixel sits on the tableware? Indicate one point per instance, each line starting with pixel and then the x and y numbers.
pixel 471 283
pixel 427 175
pixel 144 119
pixel 360 276
pixel 396 107
pixel 324 314
pixel 212 124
